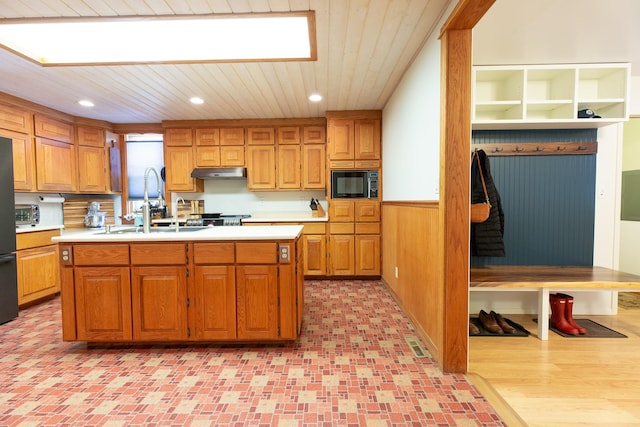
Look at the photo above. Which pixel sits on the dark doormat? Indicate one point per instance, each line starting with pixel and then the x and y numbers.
pixel 520 330
pixel 594 330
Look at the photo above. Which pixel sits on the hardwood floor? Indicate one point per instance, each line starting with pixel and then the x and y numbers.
pixel 564 381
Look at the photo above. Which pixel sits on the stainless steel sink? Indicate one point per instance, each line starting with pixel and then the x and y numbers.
pixel 154 230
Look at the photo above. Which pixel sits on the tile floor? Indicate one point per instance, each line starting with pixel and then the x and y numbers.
pixel 351 367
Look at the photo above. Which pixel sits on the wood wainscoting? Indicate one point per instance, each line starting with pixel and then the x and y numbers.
pixel 410 243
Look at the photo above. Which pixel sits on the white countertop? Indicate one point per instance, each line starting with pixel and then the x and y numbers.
pixel 267 232
pixel 31 229
pixel 302 216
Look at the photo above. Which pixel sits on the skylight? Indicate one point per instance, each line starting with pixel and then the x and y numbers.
pixel 176 39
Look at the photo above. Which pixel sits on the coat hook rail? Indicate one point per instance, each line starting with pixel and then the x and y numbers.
pixel 537 148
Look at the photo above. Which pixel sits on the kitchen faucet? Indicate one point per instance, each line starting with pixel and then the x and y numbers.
pixel 146 209
pixel 175 212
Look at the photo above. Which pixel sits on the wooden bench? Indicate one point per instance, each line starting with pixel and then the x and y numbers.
pixel 547 279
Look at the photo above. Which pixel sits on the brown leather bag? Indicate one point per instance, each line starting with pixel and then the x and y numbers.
pixel 480 211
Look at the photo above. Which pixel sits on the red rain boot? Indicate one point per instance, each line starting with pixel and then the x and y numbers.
pixel 558 310
pixel 568 314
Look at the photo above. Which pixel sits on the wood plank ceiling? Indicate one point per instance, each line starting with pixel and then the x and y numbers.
pixel 364 47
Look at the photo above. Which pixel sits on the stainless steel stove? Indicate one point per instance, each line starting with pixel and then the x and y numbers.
pixel 216 220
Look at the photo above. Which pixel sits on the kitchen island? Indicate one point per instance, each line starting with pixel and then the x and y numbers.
pixel 201 284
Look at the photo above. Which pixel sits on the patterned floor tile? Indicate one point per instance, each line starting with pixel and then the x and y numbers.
pixel 351 367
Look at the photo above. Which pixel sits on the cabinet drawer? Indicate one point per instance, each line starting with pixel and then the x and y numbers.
pixel 368 228
pixel 257 253
pixel 159 254
pixel 314 228
pixel 214 253
pixel 35 238
pixel 367 164
pixel 101 254
pixel 341 228
pixel 341 164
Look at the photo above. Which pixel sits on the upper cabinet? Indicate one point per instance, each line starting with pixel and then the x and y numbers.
pixel 56 155
pixel 354 139
pixel 550 96
pixel 17 124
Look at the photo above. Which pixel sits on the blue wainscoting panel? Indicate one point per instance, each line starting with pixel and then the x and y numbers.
pixel 548 201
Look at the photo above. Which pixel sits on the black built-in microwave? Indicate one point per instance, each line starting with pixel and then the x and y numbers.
pixel 354 184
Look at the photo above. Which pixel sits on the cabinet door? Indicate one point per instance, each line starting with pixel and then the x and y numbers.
pixel 232 155
pixel 341 143
pixel 215 300
pixel 367 139
pixel 288 135
pixel 92 177
pixel 103 303
pixel 315 254
pixel 90 136
pixel 38 273
pixel 15 119
pixel 314 135
pixel 257 299
pixel 289 166
pixel 341 210
pixel 367 211
pixel 313 167
pixel 159 303
pixel 115 164
pixel 231 136
pixel 55 166
pixel 261 136
pixel 49 128
pixel 178 163
pixel 179 137
pixel 367 255
pixel 207 156
pixel 261 167
pixel 208 136
pixel 23 160
pixel 341 254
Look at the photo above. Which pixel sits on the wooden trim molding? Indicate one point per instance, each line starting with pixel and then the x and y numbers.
pixel 412 203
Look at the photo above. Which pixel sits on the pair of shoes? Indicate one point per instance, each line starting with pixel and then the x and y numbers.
pixel 489 322
pixel 495 323
pixel 473 329
pixel 507 328
pixel 562 315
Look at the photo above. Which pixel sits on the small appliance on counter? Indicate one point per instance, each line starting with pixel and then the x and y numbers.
pixel 94 218
pixel 28 215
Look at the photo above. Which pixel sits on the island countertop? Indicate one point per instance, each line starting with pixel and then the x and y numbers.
pixel 226 233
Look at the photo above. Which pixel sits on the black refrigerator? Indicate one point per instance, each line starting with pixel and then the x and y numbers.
pixel 8 276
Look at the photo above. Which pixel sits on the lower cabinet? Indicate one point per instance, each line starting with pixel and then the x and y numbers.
pixel 103 303
pixel 257 302
pixel 159 303
pixel 186 291
pixel 38 266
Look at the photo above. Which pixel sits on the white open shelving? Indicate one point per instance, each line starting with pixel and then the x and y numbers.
pixel 549 96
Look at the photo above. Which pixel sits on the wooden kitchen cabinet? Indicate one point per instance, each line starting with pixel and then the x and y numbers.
pixel 261 136
pixel 178 137
pixel 215 291
pixel 232 136
pixel 314 246
pixel 354 139
pixel 367 254
pixel 24 178
pixel 92 170
pixel 37 266
pixel 56 166
pixel 178 161
pixel 314 167
pixel 257 296
pixel 261 169
pixel 50 128
pixel 342 254
pixel 16 119
pixel 103 303
pixel 90 136
pixel 289 167
pixel 288 135
pixel 314 135
pixel 159 303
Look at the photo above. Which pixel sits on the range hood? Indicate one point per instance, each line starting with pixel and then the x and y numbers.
pixel 219 173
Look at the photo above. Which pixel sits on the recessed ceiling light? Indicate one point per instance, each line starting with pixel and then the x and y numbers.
pixel 196 100
pixel 85 103
pixel 315 97
pixel 173 39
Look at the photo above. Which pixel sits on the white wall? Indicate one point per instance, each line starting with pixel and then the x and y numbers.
pixel 411 131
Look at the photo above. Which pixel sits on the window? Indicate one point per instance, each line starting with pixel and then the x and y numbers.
pixel 143 151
